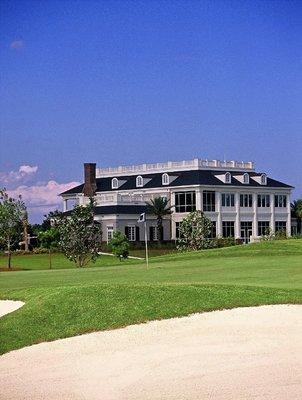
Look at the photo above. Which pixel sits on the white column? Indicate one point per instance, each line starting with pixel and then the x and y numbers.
pixel 255 214
pixel 272 208
pixel 65 208
pixel 237 218
pixel 289 220
pixel 219 216
pixel 172 204
pixel 198 195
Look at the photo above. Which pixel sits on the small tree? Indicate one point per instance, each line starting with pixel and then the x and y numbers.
pixel 119 245
pixel 12 213
pixel 51 219
pixel 50 240
pixel 80 236
pixel 296 211
pixel 160 208
pixel 194 231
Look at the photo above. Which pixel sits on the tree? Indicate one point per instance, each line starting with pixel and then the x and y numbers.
pixel 296 211
pixel 159 207
pixel 50 219
pixel 50 240
pixel 119 245
pixel 12 213
pixel 194 231
pixel 25 230
pixel 80 235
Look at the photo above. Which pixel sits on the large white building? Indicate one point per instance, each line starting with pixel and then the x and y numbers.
pixel 240 202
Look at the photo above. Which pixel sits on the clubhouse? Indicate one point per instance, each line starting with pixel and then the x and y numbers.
pixel 240 202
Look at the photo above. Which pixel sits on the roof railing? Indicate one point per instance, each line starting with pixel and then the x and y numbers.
pixel 196 163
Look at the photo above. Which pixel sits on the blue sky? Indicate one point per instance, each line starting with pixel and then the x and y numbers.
pixel 122 82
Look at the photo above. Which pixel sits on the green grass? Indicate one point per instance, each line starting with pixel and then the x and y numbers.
pixel 66 301
pixel 59 261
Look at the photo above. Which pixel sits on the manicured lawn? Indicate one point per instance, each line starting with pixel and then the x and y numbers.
pixel 67 301
pixel 59 261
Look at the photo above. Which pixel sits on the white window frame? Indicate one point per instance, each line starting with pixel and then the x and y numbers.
pixel 114 183
pixel 139 181
pixel 246 200
pixel 109 230
pixel 228 177
pixel 246 178
pixel 280 201
pixel 155 233
pixel 263 201
pixel 131 233
pixel 165 179
pixel 227 199
pixel 263 179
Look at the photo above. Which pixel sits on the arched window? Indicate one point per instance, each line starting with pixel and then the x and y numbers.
pixel 139 181
pixel 227 177
pixel 263 179
pixel 246 178
pixel 165 179
pixel 114 183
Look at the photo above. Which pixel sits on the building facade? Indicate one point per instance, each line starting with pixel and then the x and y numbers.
pixel 240 202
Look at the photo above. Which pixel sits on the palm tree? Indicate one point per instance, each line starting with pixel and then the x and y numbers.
pixel 159 207
pixel 296 211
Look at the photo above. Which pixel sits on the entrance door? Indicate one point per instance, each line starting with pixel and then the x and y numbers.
pixel 246 231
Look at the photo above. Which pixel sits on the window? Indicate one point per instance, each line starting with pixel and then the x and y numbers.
pixel 227 200
pixel 228 177
pixel 246 230
pixel 130 232
pixel 246 200
pixel 185 202
pixel 153 233
pixel 263 179
pixel 280 200
pixel 263 200
pixel 280 226
pixel 139 181
pixel 228 229
pixel 114 183
pixel 165 179
pixel 109 233
pixel 263 228
pixel 208 201
pixel 212 234
pixel 246 178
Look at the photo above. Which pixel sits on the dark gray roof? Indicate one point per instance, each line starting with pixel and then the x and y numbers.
pixel 183 178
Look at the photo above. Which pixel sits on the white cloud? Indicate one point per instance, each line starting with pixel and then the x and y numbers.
pixel 27 169
pixel 24 173
pixel 17 45
pixel 44 196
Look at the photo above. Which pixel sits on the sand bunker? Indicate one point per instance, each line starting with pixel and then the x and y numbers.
pixel 8 306
pixel 244 353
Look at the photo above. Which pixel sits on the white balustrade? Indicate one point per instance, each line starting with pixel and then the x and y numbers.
pixel 196 163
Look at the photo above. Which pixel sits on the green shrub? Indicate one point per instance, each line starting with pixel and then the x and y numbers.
pixel 119 245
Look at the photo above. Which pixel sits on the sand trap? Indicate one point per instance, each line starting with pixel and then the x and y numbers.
pixel 8 306
pixel 244 353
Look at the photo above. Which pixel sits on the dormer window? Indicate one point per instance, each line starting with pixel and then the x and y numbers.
pixel 227 177
pixel 165 179
pixel 246 178
pixel 139 181
pixel 263 179
pixel 114 183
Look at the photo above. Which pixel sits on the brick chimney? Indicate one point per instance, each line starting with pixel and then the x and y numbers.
pixel 89 179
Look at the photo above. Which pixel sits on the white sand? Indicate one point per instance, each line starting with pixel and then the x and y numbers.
pixel 244 353
pixel 8 306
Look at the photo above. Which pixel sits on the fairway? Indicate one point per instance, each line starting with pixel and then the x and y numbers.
pixel 67 301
